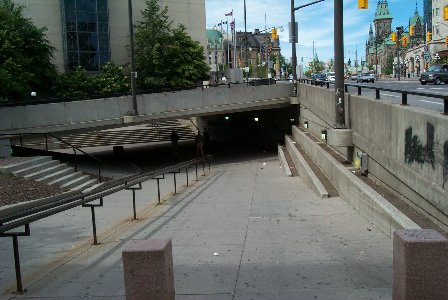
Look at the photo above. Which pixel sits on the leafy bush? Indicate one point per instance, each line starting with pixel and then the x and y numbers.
pixel 79 83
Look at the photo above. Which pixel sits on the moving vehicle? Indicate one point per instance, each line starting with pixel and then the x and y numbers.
pixel 435 74
pixel 331 76
pixel 365 77
pixel 319 77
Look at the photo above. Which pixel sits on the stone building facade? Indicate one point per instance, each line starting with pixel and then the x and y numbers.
pixel 92 32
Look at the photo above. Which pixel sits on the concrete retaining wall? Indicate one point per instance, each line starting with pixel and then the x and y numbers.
pixel 354 191
pixel 407 146
pixel 75 115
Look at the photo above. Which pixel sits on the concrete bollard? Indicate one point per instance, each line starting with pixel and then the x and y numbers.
pixel 420 265
pixel 148 270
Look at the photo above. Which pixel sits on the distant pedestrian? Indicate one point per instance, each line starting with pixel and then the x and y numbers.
pixel 199 140
pixel 175 143
pixel 206 141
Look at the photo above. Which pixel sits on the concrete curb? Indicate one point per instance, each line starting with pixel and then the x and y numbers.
pixel 354 191
pixel 283 161
pixel 304 169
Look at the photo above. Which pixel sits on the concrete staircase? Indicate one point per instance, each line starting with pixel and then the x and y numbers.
pixel 159 131
pixel 45 169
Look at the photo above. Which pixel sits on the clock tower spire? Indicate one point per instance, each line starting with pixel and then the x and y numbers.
pixel 383 20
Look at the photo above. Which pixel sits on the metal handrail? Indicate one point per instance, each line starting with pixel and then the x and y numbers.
pixel 404 94
pixel 74 148
pixel 26 216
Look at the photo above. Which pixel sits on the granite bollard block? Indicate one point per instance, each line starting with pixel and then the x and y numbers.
pixel 420 265
pixel 148 270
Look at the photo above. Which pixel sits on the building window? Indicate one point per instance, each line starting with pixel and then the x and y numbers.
pixel 437 12
pixel 86 33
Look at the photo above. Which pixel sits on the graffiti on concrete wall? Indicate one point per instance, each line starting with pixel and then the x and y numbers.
pixel 415 151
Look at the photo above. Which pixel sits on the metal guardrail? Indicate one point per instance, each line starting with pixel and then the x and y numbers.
pixel 17 218
pixel 404 94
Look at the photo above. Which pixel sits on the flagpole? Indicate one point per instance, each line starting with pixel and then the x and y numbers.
pixel 228 44
pixel 234 44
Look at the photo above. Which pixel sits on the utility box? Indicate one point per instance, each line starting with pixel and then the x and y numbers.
pixel 235 75
pixel 364 159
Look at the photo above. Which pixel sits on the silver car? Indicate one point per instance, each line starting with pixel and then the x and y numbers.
pixel 365 77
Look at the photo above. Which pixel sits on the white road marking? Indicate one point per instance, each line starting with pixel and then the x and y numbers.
pixel 436 88
pixel 432 102
pixel 389 95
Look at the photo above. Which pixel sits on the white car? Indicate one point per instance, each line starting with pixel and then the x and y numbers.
pixel 331 76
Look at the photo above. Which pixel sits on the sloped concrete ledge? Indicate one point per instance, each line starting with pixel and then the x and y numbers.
pixel 17 207
pixel 283 161
pixel 354 191
pixel 304 169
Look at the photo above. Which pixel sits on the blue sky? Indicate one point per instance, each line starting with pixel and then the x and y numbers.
pixel 315 22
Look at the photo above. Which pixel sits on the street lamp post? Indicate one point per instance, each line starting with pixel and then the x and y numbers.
pixel 339 63
pixel 399 32
pixel 294 40
pixel 417 62
pixel 133 73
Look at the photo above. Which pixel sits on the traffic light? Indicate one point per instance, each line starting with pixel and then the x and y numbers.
pixel 428 36
pixel 445 13
pixel 404 41
pixel 274 34
pixel 411 30
pixel 394 36
pixel 363 4
pixel 446 41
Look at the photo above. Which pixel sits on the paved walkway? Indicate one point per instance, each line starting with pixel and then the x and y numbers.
pixel 244 231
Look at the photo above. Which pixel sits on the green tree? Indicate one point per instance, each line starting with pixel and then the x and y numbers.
pixel 78 83
pixel 25 55
pixel 166 56
pixel 389 65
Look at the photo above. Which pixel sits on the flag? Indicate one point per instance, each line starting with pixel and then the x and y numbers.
pixel 232 26
pixel 229 14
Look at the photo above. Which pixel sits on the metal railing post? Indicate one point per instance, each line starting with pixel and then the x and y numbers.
pixel 15 243
pixel 95 240
pixel 445 105
pixel 175 188
pixel 359 91
pixel 377 94
pixel 404 98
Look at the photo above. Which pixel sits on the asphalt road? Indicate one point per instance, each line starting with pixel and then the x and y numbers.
pixel 408 85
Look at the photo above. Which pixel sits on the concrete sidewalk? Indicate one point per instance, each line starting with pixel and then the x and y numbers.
pixel 245 231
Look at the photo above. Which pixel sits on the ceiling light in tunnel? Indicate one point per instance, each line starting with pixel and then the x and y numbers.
pixel 227 118
pixel 256 119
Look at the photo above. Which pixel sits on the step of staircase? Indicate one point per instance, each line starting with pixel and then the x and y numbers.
pixel 46 170
pixel 35 168
pixel 24 164
pixel 50 177
pixel 76 182
pixel 66 178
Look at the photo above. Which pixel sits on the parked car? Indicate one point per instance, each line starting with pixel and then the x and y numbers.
pixel 365 77
pixel 331 76
pixel 319 77
pixel 436 74
pixel 354 77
